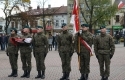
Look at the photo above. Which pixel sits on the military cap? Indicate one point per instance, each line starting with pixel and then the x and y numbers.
pixel 39 27
pixel 26 27
pixel 84 25
pixel 101 27
pixel 13 29
pixel 64 24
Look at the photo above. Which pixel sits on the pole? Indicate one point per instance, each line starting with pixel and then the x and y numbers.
pixel 44 18
pixel 124 28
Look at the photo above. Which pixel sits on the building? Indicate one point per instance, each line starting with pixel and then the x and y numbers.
pixel 51 18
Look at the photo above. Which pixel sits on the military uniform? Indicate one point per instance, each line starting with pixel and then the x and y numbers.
pixel 12 52
pixel 64 48
pixel 40 44
pixel 25 53
pixel 104 49
pixel 84 53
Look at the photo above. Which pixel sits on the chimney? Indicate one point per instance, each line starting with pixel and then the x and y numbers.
pixel 49 6
pixel 38 7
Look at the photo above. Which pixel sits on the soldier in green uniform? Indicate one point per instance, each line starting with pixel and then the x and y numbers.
pixel 12 52
pixel 40 46
pixel 104 50
pixel 25 51
pixel 65 51
pixel 84 53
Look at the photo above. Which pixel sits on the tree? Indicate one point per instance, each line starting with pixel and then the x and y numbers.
pixel 9 9
pixel 98 12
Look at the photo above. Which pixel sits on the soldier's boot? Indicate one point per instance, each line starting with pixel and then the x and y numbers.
pixel 63 77
pixel 82 77
pixel 11 75
pixel 25 74
pixel 87 76
pixel 67 76
pixel 102 78
pixel 43 75
pixel 39 74
pixel 15 73
pixel 106 78
pixel 28 74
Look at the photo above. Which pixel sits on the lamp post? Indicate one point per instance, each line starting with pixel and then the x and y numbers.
pixel 124 28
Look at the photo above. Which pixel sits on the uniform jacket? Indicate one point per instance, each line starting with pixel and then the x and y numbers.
pixel 104 44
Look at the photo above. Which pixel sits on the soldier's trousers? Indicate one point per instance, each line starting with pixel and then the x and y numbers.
pixel 85 63
pixel 26 61
pixel 66 62
pixel 40 61
pixel 104 59
pixel 13 61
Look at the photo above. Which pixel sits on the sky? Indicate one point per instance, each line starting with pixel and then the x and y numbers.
pixel 34 3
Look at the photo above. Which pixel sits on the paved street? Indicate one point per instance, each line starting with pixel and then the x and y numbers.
pixel 54 70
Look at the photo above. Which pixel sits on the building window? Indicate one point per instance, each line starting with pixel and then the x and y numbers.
pixel 16 24
pixel 12 24
pixel 117 18
pixel 62 21
pixel 71 6
pixel 57 23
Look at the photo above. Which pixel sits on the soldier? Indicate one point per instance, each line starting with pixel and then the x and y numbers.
pixel 64 48
pixel 104 50
pixel 25 51
pixel 40 44
pixel 12 52
pixel 84 53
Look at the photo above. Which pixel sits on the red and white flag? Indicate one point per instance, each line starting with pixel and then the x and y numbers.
pixel 121 4
pixel 75 17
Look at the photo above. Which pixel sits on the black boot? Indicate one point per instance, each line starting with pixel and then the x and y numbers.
pixel 87 76
pixel 106 78
pixel 28 74
pixel 39 74
pixel 67 76
pixel 25 74
pixel 11 75
pixel 43 75
pixel 102 78
pixel 15 73
pixel 82 77
pixel 63 77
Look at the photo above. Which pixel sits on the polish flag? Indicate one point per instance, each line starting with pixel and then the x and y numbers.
pixel 121 4
pixel 75 17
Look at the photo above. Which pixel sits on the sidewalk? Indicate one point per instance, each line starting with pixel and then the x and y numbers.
pixel 54 70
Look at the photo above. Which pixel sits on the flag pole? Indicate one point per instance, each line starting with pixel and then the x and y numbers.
pixel 78 37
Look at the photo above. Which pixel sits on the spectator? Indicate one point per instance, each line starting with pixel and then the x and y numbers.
pixel 117 38
pixel 50 39
pixel 6 40
pixel 56 39
pixel 3 42
pixel 53 41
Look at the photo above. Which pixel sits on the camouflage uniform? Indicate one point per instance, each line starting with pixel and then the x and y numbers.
pixel 12 52
pixel 84 53
pixel 104 49
pixel 65 52
pixel 25 53
pixel 41 49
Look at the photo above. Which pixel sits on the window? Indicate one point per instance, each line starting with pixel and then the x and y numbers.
pixel 57 23
pixel 12 24
pixel 117 18
pixel 62 21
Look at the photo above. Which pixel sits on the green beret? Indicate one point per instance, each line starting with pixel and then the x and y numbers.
pixel 64 24
pixel 13 29
pixel 39 27
pixel 26 27
pixel 84 25
pixel 101 27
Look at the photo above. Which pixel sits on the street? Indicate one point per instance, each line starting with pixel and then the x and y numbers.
pixel 54 70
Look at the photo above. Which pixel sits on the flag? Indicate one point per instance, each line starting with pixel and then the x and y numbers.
pixel 75 17
pixel 121 4
pixel 87 46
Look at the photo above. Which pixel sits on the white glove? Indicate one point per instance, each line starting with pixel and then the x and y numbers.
pixel 28 40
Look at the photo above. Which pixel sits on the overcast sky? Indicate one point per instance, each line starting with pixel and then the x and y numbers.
pixel 34 3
